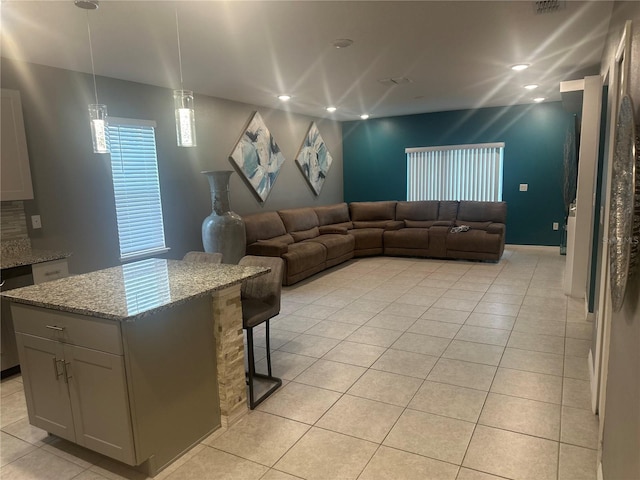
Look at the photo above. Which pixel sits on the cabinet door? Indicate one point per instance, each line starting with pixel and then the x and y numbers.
pixel 14 159
pixel 45 386
pixel 100 402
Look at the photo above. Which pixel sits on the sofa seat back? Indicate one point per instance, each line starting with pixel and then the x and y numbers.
pixel 263 226
pixel 482 212
pixel 301 223
pixel 334 215
pixel 372 214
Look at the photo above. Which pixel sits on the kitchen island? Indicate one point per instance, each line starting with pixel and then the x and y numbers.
pixel 138 362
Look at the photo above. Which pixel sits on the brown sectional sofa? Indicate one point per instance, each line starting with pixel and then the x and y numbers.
pixel 311 239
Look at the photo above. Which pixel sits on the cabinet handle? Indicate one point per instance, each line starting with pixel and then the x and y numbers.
pixel 55 367
pixel 54 272
pixel 55 327
pixel 67 368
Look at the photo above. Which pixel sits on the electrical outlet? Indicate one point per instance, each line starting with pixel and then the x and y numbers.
pixel 556 226
pixel 524 187
pixel 36 222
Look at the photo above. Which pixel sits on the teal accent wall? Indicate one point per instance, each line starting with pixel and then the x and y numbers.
pixel 375 162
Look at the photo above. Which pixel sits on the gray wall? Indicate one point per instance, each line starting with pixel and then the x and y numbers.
pixel 621 443
pixel 72 185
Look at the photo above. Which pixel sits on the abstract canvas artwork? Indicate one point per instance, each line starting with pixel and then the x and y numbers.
pixel 314 159
pixel 258 157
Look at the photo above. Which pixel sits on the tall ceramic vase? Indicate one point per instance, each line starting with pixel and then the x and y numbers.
pixel 223 230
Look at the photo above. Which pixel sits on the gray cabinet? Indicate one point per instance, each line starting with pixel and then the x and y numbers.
pixel 141 392
pixel 75 385
pixel 15 174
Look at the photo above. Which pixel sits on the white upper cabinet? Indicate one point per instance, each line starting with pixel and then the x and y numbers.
pixel 15 175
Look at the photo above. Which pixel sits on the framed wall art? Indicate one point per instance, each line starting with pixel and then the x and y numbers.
pixel 314 159
pixel 257 157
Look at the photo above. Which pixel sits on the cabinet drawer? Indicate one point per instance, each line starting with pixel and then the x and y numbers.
pixel 47 271
pixel 96 333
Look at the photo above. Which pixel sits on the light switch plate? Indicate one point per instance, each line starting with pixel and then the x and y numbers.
pixel 524 187
pixel 556 226
pixel 36 222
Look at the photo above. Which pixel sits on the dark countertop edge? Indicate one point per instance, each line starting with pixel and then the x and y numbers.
pixel 128 318
pixel 37 256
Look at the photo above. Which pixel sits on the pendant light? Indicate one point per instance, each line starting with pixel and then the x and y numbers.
pixel 183 104
pixel 97 111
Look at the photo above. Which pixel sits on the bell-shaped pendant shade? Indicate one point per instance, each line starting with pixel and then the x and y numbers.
pixel 99 132
pixel 185 118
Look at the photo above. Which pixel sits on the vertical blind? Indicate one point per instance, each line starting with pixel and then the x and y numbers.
pixel 456 172
pixel 134 169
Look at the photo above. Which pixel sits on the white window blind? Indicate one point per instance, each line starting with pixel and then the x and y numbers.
pixel 456 172
pixel 134 169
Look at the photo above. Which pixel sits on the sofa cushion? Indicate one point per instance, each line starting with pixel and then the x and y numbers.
pixel 473 241
pixel 325 229
pixel 304 256
pixel 371 211
pixel 263 226
pixel 298 219
pixel 331 214
pixel 448 210
pixel 305 234
pixel 483 211
pixel 337 245
pixel 267 248
pixel 427 223
pixel 286 239
pixel 372 224
pixel 419 210
pixel 407 238
pixel 474 225
pixel 367 238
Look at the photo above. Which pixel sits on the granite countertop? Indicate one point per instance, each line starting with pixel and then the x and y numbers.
pixel 133 290
pixel 18 253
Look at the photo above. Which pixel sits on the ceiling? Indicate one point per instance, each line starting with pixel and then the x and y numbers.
pixel 456 54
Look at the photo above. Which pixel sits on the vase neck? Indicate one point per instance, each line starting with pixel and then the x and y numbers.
pixel 219 184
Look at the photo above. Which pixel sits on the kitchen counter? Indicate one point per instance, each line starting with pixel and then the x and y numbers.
pixel 19 253
pixel 133 290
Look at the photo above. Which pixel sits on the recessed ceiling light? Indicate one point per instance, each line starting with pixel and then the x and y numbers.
pixel 342 42
pixel 284 98
pixel 531 86
pixel 539 99
pixel 364 116
pixel 331 109
pixel 520 66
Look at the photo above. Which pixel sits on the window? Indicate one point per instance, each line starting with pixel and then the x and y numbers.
pixel 136 186
pixel 457 172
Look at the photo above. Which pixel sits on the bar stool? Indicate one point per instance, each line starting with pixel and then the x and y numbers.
pixel 261 302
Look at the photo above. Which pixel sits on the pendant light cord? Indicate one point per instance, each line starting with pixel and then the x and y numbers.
pixel 179 52
pixel 93 70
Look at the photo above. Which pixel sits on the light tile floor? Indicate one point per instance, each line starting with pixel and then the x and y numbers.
pixel 393 368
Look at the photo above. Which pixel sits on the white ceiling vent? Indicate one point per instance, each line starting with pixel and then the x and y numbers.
pixel 390 82
pixel 548 6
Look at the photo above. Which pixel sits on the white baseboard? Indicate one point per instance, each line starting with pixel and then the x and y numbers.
pixel 593 382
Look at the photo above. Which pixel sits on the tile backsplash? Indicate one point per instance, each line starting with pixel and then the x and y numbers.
pixel 13 221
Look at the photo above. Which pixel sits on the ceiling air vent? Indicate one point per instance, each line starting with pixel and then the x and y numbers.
pixel 390 82
pixel 549 6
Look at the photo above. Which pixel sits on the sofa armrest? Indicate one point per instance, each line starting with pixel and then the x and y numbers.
pixel 496 228
pixel 267 248
pixel 394 225
pixel 331 229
